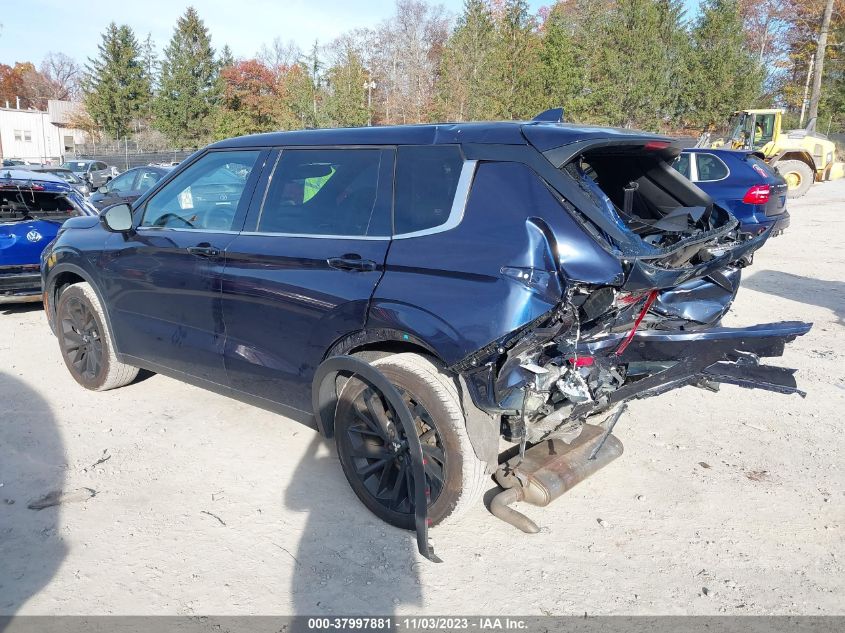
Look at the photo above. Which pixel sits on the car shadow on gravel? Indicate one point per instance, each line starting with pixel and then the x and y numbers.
pixel 818 292
pixel 8 309
pixel 32 465
pixel 348 562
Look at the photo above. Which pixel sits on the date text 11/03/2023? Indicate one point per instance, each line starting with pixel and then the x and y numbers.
pixel 480 623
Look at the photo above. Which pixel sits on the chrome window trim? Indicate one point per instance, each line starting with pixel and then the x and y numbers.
pixel 155 229
pixel 459 203
pixel 371 238
pixel 727 169
pixel 456 216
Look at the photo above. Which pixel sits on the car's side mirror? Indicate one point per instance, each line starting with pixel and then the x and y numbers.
pixel 117 218
pixel 103 189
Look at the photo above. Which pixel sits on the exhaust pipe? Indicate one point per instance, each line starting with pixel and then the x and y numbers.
pixel 548 470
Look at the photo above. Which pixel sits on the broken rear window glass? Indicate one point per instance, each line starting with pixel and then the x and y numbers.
pixel 18 204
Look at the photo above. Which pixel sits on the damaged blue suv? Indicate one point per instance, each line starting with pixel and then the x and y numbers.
pixel 508 279
pixel 33 207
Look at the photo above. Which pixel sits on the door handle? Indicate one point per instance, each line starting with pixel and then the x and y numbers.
pixel 351 261
pixel 204 249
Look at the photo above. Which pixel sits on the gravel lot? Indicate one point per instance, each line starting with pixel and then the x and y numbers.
pixel 722 503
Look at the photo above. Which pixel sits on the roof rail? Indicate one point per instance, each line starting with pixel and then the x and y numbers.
pixel 553 115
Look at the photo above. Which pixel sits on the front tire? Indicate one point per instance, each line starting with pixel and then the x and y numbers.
pixel 85 341
pixel 373 452
pixel 798 175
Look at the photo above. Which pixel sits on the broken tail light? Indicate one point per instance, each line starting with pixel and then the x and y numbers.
pixel 758 194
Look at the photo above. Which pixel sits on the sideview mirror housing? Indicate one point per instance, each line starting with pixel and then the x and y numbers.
pixel 103 189
pixel 117 218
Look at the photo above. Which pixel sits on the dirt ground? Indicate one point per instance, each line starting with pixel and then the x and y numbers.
pixel 728 503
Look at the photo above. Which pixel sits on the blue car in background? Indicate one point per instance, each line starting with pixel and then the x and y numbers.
pixel 33 207
pixel 741 182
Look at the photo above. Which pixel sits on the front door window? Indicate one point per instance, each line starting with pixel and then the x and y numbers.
pixel 206 196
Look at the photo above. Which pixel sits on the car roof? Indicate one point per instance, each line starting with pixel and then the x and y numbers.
pixel 543 135
pixel 738 153
pixel 160 168
pixel 24 176
pixel 45 168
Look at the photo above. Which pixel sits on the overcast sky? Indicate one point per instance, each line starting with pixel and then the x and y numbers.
pixel 32 28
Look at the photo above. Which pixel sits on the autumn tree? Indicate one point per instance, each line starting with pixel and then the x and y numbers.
pixel 248 102
pixel 15 84
pixel 62 75
pixel 403 56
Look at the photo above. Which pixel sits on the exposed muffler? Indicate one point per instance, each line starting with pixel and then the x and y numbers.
pixel 549 469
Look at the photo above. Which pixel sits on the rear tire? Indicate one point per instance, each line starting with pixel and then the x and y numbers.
pixel 455 476
pixel 85 341
pixel 799 177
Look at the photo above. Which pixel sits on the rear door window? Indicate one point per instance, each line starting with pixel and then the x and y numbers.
pixel 426 182
pixel 710 168
pixel 146 179
pixel 681 164
pixel 123 182
pixel 329 192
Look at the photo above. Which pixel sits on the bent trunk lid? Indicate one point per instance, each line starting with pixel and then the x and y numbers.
pixel 665 230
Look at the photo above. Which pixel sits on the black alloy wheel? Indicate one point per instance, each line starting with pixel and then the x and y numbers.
pixel 80 338
pixel 376 447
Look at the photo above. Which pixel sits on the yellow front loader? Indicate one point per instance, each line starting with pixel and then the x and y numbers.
pixel 801 156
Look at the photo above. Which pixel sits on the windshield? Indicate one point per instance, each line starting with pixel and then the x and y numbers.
pixel 77 166
pixel 67 176
pixel 764 129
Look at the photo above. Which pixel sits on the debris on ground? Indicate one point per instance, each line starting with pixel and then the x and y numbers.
pixel 103 458
pixel 58 497
pixel 211 514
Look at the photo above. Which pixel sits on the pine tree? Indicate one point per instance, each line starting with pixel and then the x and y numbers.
pixel 226 57
pixel 562 68
pixel 639 61
pixel 116 87
pixel 344 104
pixel 466 84
pixel 724 76
pixel 189 89
pixel 516 62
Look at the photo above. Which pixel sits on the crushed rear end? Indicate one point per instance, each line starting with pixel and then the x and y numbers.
pixel 32 210
pixel 654 328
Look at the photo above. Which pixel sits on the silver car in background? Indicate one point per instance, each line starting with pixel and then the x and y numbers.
pixel 65 174
pixel 96 173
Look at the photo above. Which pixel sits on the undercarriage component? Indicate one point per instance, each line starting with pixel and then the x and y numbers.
pixel 548 470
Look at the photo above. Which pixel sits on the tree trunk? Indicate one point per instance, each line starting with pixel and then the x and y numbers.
pixel 819 66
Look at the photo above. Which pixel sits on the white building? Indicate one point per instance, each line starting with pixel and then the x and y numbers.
pixel 36 136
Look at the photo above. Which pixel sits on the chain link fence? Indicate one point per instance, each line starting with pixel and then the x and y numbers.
pixel 127 157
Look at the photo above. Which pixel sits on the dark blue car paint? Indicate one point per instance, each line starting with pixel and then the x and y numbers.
pixel 729 192
pixel 258 319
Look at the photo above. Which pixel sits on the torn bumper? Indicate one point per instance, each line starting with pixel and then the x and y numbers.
pixel 20 284
pixel 716 355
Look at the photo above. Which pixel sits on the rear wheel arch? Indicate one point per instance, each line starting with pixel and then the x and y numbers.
pixel 376 344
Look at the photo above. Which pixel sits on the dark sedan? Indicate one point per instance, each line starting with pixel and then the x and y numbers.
pixel 128 187
pixel 741 182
